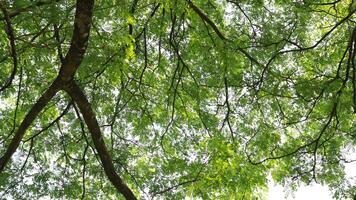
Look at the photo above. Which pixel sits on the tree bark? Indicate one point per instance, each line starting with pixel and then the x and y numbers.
pixel 30 117
pixel 64 80
pixel 90 119
pixel 79 42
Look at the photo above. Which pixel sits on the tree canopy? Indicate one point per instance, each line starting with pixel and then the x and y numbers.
pixel 174 99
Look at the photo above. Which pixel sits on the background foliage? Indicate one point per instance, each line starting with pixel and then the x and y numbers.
pixel 194 98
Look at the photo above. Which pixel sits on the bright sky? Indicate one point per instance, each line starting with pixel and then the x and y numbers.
pixel 313 192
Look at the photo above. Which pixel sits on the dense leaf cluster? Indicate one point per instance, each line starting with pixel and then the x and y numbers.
pixel 188 98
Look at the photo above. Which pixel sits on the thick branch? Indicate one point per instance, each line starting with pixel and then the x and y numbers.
pixel 90 119
pixel 71 62
pixel 10 34
pixel 132 11
pixel 65 111
pixel 30 117
pixel 18 11
pixel 205 18
pixel 79 43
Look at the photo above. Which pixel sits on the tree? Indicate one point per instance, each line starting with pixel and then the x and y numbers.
pixel 172 99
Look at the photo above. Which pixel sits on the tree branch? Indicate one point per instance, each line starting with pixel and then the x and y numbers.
pixel 205 18
pixel 65 111
pixel 79 43
pixel 10 34
pixel 30 117
pixel 21 10
pixel 90 119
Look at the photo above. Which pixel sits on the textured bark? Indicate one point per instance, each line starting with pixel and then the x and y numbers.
pixel 79 42
pixel 90 119
pixel 10 34
pixel 30 117
pixel 205 17
pixel 64 80
pixel 16 12
pixel 72 61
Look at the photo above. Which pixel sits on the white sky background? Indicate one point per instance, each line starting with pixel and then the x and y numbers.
pixel 313 192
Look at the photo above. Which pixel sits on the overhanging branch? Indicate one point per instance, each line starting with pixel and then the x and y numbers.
pixel 30 117
pixel 10 34
pixel 79 42
pixel 90 119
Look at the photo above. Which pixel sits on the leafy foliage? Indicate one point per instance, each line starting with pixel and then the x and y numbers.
pixel 200 99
